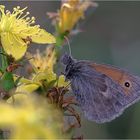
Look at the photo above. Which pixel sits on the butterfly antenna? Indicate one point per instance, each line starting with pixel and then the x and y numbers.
pixel 68 45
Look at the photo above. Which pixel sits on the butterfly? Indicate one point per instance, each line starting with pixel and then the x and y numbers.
pixel 102 91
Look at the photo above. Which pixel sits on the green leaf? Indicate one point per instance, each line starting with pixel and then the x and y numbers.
pixel 4 62
pixel 7 81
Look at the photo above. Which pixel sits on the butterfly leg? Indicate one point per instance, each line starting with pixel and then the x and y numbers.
pixel 70 100
pixel 73 112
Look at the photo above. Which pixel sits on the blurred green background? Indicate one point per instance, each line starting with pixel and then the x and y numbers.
pixel 111 34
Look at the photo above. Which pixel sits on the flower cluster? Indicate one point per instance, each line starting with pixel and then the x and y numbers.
pixel 34 106
pixel 30 117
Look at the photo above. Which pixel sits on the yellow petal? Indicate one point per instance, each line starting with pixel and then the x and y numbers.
pixel 13 45
pixel 17 97
pixel 62 82
pixel 49 76
pixel 22 79
pixel 65 18
pixel 43 37
pixel 27 88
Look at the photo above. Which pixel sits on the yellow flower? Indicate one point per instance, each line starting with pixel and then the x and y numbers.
pixel 17 31
pixel 43 75
pixel 43 62
pixel 71 12
pixel 30 117
pixel 50 80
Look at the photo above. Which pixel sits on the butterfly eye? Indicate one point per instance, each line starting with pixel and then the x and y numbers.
pixel 127 84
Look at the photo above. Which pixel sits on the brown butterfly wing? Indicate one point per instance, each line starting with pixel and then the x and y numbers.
pixel 104 91
pixel 120 76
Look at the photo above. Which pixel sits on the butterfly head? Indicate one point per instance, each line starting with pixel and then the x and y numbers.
pixel 68 61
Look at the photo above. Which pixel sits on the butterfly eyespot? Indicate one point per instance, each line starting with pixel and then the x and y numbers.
pixel 127 84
